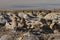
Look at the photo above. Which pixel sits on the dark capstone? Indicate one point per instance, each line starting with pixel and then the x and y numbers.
pixel 7 17
pixel 35 32
pixel 30 16
pixel 43 21
pixel 49 20
pixel 23 29
pixel 2 24
pixel 46 29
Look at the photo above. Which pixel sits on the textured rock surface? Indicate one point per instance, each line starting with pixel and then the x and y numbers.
pixel 29 25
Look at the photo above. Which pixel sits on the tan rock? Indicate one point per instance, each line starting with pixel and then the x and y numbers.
pixel 20 38
pixel 23 15
pixel 51 16
pixel 56 31
pixel 51 26
pixel 13 24
pixel 39 15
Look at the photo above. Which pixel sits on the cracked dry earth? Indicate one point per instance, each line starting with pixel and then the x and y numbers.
pixel 29 25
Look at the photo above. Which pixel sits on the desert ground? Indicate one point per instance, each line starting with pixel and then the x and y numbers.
pixel 30 24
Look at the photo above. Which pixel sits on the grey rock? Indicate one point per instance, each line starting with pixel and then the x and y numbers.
pixel 2 21
pixel 30 37
pixel 6 37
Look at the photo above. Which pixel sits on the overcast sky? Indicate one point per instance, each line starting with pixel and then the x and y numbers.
pixel 11 3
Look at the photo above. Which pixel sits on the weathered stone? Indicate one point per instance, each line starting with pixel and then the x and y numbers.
pixel 28 36
pixel 6 37
pixel 51 16
pixel 2 21
pixel 54 37
pixel 21 14
pixel 12 24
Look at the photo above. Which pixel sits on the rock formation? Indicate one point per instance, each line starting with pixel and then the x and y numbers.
pixel 29 25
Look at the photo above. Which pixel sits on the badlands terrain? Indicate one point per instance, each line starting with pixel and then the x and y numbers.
pixel 30 25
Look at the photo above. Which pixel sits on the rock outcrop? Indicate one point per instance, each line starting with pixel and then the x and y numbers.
pixel 29 25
